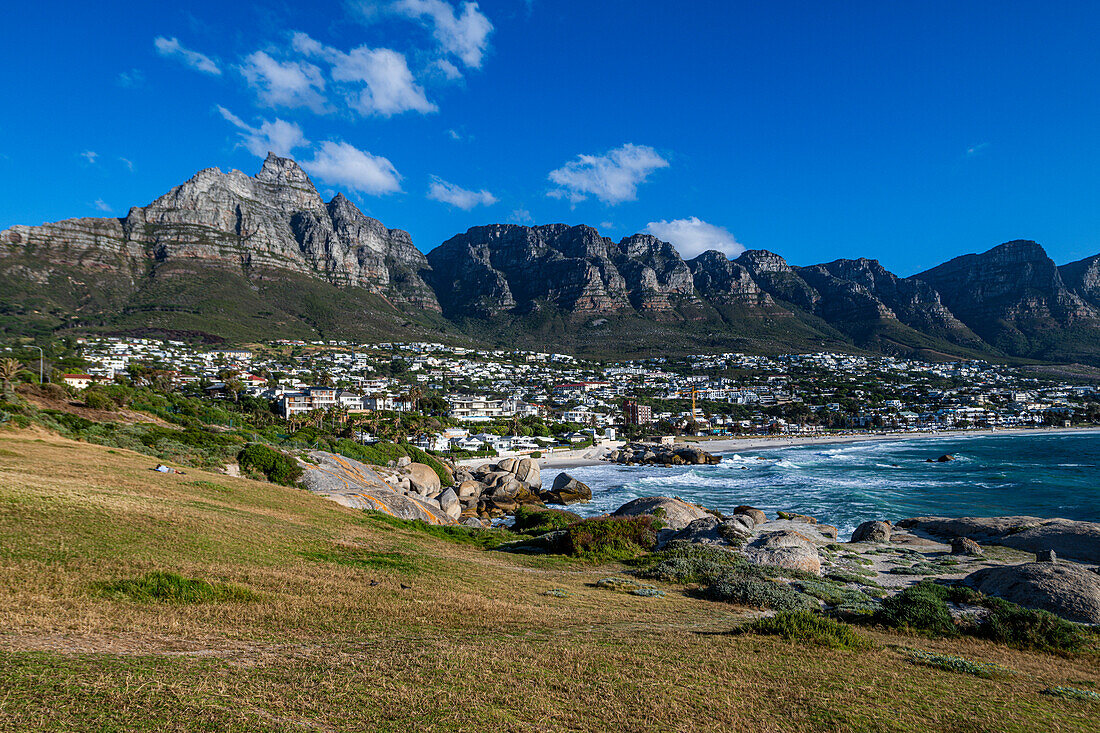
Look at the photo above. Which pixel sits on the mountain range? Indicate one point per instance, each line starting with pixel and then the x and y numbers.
pixel 227 256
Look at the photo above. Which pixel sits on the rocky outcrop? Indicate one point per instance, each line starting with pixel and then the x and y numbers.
pixel 359 486
pixel 1068 538
pixel 874 531
pixel 719 279
pixel 682 454
pixel 675 513
pixel 567 490
pixel 1067 590
pixel 787 549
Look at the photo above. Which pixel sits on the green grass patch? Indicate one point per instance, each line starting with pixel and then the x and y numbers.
pixel 540 521
pixel 211 486
pixel 609 539
pixel 485 538
pixel 806 627
pixel 355 557
pixel 167 587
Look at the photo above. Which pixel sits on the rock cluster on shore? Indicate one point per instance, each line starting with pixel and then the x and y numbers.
pixel 660 454
pixel 410 490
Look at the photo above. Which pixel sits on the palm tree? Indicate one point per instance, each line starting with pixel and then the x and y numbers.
pixel 10 371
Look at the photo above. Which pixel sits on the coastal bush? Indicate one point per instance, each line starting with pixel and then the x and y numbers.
pixel 167 587
pixel 758 593
pixel 540 521
pixel 278 467
pixel 690 563
pixel 606 539
pixel 1027 628
pixel 922 607
pixel 952 663
pixel 837 595
pixel 807 627
pixel 1072 693
pixel 97 400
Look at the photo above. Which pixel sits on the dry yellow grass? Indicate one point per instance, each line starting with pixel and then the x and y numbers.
pixel 422 634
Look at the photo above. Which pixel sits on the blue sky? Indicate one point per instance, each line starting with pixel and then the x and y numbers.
pixel 910 132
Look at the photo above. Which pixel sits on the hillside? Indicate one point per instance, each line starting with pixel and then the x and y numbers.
pixel 227 256
pixel 343 621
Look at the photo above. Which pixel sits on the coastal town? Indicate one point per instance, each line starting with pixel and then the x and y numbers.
pixel 488 400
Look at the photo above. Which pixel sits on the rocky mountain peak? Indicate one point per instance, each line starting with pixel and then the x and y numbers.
pixel 280 171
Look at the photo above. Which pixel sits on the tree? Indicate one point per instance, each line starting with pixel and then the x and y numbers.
pixel 10 371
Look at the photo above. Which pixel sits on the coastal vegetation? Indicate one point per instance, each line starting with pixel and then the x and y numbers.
pixel 356 619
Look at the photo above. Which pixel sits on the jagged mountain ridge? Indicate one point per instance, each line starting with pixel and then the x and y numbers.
pixel 232 255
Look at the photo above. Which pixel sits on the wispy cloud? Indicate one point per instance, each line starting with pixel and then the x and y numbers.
pixel 521 216
pixel 102 206
pixel 278 136
pixel 172 48
pixel 449 193
pixel 90 156
pixel 693 236
pixel 128 163
pixel 130 79
pixel 612 177
pixel 978 149
pixel 377 80
pixel 285 83
pixel 342 164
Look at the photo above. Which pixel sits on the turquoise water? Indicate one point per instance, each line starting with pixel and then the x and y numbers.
pixel 1044 475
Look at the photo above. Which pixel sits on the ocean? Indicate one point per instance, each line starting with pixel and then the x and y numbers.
pixel 843 484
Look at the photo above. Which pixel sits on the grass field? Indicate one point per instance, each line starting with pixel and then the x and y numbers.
pixel 307 616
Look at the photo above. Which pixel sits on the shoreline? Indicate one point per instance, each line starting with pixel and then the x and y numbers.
pixel 593 456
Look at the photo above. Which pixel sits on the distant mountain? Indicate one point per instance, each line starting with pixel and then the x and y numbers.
pixel 232 256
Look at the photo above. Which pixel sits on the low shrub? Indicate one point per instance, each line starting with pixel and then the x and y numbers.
pixel 806 627
pixel 277 466
pixel 690 563
pixel 166 587
pixel 96 400
pixel 951 663
pixel 1072 693
pixel 607 539
pixel 540 521
pixel 1027 628
pixel 922 607
pixel 759 593
pixel 837 595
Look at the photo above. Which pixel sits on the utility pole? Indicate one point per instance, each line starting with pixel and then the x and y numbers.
pixel 41 364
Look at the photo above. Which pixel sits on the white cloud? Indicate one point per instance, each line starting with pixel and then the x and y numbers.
pixel 285 83
pixel 128 163
pixel 521 216
pixel 464 34
pixel 447 70
pixel 449 193
pixel 693 236
pixel 453 134
pixel 130 79
pixel 102 205
pixel 976 149
pixel 342 164
pixel 379 80
pixel 279 137
pixel 171 48
pixel 612 177
pixel 90 156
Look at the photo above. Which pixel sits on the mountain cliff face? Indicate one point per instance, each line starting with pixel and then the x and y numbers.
pixel 504 268
pixel 1014 297
pixel 255 226
pixel 238 256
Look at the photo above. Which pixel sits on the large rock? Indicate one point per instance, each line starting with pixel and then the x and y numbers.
pixel 448 502
pixel 874 531
pixel 1065 589
pixel 675 513
pixel 1068 538
pixel 757 515
pixel 784 549
pixel 424 476
pixel 527 470
pixel 567 490
pixel 357 485
pixel 711 530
